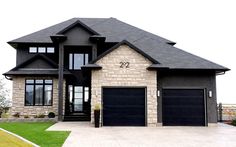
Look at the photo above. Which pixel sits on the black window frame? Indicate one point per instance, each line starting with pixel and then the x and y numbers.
pixel 34 85
pixel 37 50
pixel 73 57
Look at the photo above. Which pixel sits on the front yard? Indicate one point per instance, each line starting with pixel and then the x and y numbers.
pixel 11 141
pixel 36 133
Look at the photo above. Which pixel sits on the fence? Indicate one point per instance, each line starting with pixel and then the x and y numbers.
pixel 226 112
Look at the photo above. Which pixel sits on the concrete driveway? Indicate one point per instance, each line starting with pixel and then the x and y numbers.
pixel 83 134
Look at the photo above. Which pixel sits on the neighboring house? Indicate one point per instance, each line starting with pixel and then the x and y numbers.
pixel 138 78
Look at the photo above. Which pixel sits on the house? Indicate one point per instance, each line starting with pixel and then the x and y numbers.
pixel 138 78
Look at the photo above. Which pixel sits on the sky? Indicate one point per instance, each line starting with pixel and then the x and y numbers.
pixel 206 28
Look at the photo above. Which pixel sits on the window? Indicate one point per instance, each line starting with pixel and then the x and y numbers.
pixel 38 92
pixel 33 49
pixel 86 94
pixel 41 49
pixel 77 60
pixel 50 50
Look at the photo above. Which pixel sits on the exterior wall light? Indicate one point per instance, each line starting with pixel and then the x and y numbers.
pixel 158 93
pixel 210 94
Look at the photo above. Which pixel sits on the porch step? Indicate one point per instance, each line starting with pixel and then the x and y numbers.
pixel 76 118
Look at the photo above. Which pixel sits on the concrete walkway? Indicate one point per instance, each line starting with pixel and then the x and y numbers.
pixel 83 134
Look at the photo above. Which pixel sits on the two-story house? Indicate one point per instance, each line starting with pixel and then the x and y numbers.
pixel 138 78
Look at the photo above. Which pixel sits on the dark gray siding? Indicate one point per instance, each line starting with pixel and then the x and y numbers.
pixel 77 36
pixel 38 64
pixel 22 52
pixel 189 79
pixel 22 55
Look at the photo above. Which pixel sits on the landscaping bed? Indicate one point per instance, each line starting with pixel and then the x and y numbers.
pixel 28 120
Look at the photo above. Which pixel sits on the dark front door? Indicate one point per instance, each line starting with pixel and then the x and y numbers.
pixel 183 107
pixel 123 106
pixel 79 101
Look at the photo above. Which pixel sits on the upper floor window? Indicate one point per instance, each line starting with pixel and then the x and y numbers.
pixel 41 49
pixel 38 92
pixel 76 60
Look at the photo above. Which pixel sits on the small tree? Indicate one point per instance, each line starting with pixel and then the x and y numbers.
pixel 4 93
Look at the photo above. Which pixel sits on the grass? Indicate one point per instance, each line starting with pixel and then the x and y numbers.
pixel 35 132
pixel 8 140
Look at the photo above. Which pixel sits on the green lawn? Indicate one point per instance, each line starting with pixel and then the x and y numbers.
pixel 35 132
pixel 11 141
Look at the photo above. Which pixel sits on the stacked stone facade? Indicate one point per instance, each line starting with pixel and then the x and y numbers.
pixel 18 98
pixel 136 75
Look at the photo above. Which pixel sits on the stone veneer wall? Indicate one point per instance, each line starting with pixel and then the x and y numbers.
pixel 18 98
pixel 135 76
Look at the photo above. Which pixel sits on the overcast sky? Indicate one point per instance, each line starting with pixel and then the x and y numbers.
pixel 206 28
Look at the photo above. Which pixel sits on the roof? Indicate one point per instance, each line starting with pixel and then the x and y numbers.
pixel 125 42
pixel 157 49
pixel 35 72
pixel 114 30
pixel 51 68
pixel 175 58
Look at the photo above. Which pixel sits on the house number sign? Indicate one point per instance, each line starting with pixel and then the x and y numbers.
pixel 124 64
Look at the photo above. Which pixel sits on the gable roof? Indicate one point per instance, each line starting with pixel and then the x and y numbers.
pixel 125 42
pixel 156 48
pixel 25 69
pixel 34 58
pixel 76 24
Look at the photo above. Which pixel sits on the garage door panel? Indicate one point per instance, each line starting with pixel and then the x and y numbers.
pixel 123 106
pixel 188 114
pixel 135 121
pixel 183 92
pixel 183 107
pixel 128 110
pixel 123 100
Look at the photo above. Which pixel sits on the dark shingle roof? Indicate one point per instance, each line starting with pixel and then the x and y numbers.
pixel 21 70
pixel 115 30
pixel 174 58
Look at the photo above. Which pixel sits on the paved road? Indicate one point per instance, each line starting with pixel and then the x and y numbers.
pixel 83 134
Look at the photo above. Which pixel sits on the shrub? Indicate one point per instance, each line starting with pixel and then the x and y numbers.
pixel 39 116
pixel 5 115
pixel 233 122
pixel 26 116
pixel 51 115
pixel 17 114
pixel 97 107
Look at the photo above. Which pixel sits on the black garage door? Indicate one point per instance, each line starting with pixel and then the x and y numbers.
pixel 183 107
pixel 124 106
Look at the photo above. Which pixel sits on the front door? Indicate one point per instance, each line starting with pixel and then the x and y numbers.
pixel 78 99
